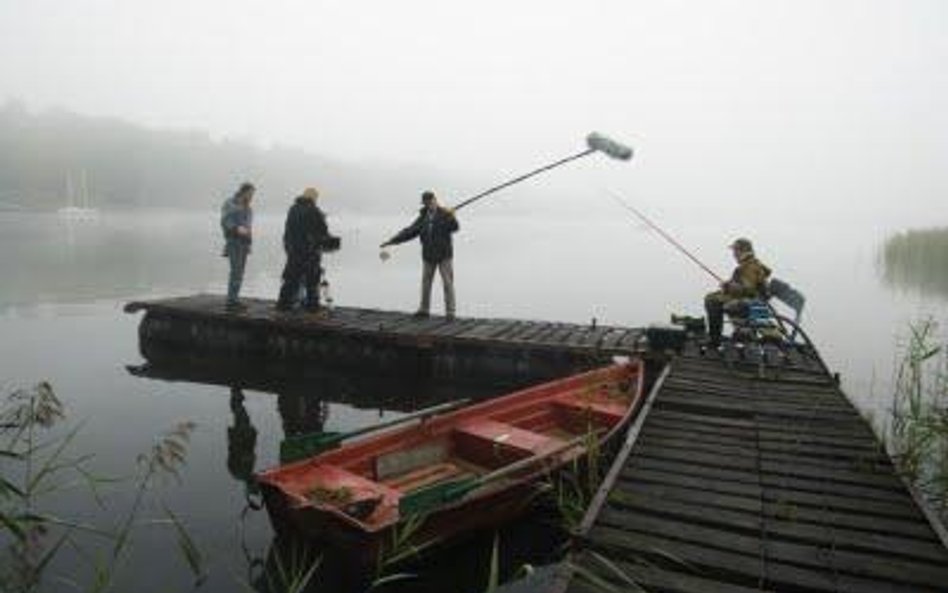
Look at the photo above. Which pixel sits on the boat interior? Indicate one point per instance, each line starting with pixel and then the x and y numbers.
pixel 366 480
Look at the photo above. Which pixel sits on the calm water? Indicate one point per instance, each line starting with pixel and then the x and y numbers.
pixel 61 320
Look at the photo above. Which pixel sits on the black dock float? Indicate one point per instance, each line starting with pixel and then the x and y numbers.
pixel 733 479
pixel 200 326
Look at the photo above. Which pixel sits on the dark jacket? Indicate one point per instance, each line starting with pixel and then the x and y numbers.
pixel 434 229
pixel 305 228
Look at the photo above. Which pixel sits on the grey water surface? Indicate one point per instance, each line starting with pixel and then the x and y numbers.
pixel 64 283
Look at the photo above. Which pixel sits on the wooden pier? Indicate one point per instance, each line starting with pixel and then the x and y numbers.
pixel 741 473
pixel 736 480
pixel 379 340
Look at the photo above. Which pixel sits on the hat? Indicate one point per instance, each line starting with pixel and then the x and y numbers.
pixel 311 193
pixel 742 244
pixel 427 196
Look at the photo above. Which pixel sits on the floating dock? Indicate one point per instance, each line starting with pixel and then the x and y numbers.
pixel 350 337
pixel 738 480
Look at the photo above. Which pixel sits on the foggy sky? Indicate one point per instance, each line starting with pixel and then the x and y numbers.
pixel 820 112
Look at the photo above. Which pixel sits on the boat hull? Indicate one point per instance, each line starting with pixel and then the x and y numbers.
pixel 517 443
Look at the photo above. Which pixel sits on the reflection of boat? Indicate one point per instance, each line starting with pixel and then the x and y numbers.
pixel 452 473
pixel 78 208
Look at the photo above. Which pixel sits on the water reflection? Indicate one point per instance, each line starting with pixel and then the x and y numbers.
pixel 242 444
pixel 917 260
pixel 308 400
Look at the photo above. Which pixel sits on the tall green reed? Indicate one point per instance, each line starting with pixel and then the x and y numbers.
pixel 919 428
pixel 38 462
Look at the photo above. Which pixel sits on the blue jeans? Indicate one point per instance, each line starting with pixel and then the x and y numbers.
pixel 237 256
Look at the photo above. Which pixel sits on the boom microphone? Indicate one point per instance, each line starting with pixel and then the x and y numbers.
pixel 608 146
pixel 595 142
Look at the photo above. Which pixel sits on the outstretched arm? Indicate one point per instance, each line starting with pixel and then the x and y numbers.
pixel 406 234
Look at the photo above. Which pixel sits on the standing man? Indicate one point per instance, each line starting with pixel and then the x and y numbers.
pixel 237 225
pixel 434 226
pixel 749 281
pixel 304 236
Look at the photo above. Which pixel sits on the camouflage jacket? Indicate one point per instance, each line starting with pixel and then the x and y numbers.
pixel 749 279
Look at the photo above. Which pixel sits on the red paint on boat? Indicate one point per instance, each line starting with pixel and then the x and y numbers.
pixel 350 495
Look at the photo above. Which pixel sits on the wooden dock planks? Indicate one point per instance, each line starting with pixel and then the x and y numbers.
pixel 741 483
pixel 386 340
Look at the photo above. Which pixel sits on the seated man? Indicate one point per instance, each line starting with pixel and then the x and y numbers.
pixel 749 281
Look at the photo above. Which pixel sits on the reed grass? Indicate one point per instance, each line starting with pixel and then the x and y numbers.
pixel 38 461
pixel 918 437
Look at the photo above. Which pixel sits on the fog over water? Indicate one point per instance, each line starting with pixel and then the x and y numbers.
pixel 815 128
pixel 823 111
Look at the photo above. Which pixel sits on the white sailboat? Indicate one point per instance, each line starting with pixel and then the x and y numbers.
pixel 78 208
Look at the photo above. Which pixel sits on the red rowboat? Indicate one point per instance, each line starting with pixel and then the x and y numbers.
pixel 453 472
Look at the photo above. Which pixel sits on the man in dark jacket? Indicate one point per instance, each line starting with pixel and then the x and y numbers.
pixel 434 227
pixel 304 235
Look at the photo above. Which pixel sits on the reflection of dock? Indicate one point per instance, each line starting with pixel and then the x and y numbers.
pixel 389 392
pixel 381 340
pixel 732 482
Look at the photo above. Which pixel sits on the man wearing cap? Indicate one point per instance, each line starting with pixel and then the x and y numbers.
pixel 237 225
pixel 749 281
pixel 434 227
pixel 304 235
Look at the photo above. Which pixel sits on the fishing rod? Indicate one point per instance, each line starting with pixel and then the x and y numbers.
pixel 595 142
pixel 664 235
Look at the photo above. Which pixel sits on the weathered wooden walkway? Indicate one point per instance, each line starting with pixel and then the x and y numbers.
pixel 382 340
pixel 733 482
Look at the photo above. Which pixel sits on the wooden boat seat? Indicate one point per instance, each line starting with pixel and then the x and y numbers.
pixel 601 412
pixel 492 444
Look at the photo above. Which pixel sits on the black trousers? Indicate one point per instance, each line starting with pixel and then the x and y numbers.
pixel 716 304
pixel 301 270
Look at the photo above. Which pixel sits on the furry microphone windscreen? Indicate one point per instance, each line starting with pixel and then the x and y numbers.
pixel 610 147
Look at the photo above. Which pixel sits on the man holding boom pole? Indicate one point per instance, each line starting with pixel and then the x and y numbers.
pixel 434 227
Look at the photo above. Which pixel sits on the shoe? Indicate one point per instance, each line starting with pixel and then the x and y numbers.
pixel 235 307
pixel 420 314
pixel 283 307
pixel 450 317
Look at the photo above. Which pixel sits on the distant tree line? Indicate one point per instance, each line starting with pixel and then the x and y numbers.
pixel 46 156
pixel 917 260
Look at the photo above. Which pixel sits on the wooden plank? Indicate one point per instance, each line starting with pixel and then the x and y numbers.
pixel 771 442
pixel 768 481
pixel 829 478
pixel 828 536
pixel 864 568
pixel 484 330
pixel 782 510
pixel 630 340
pixel 800 454
pixel 723 565
pixel 611 340
pixel 803 401
pixel 529 333
pixel 455 329
pixel 510 332
pixel 736 407
pixel 544 336
pixel 648 577
pixel 775 495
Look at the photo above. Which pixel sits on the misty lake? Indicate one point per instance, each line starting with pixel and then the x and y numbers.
pixel 64 284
